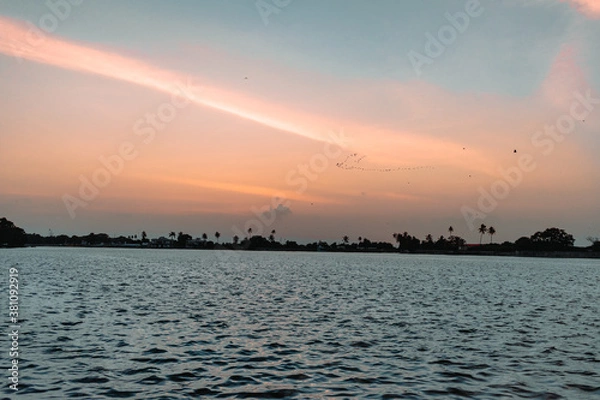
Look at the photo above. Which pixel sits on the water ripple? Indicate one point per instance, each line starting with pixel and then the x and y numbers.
pixel 105 323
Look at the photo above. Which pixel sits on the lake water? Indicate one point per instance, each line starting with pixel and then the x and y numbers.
pixel 167 324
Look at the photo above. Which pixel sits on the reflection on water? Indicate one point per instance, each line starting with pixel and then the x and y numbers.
pixel 165 324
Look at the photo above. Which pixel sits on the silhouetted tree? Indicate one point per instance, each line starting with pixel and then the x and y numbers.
pixel 492 232
pixel 204 237
pixel 182 239
pixel 456 243
pixel 258 242
pixel 144 236
pixel 172 235
pixel 249 232
pixel 236 239
pixel 103 239
pixel 482 231
pixel 523 243
pixel 552 239
pixel 441 243
pixel 450 230
pixel 217 235
pixel 406 242
pixel 272 235
pixel 428 242
pixel 10 234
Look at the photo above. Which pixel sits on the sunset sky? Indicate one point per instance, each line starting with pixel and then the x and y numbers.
pixel 315 118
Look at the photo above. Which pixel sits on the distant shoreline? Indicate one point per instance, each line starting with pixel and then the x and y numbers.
pixel 583 253
pixel 550 243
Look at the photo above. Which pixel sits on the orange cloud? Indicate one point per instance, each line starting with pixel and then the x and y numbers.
pixel 458 134
pixel 261 191
pixel 17 40
pixel 408 147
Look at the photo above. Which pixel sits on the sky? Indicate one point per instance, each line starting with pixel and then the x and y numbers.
pixel 316 119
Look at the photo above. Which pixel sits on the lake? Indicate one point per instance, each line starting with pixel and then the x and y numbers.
pixel 176 324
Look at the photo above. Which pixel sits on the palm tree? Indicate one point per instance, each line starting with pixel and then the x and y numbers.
pixel 346 239
pixel 482 231
pixel 272 235
pixel 204 237
pixel 236 239
pixel 491 231
pixel 249 232
pixel 144 236
pixel 217 235
pixel 172 235
pixel 451 231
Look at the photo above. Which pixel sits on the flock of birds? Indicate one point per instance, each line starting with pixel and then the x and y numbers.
pixel 352 162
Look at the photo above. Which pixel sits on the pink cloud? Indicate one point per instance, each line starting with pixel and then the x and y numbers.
pixel 590 8
pixel 18 40
pixel 564 77
pixel 410 147
pixel 394 123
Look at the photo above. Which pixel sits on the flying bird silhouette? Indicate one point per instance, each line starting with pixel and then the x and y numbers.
pixel 353 161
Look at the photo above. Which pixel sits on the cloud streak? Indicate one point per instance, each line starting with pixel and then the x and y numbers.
pixel 428 125
pixel 16 39
pixel 239 188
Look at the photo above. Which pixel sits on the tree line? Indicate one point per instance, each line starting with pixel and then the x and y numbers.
pixel 551 239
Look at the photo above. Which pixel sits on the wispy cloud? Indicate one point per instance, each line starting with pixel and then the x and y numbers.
pixel 589 8
pixel 239 188
pixel 563 78
pixel 16 40
pixel 410 147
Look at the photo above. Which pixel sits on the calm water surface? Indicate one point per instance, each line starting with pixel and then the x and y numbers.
pixel 165 324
